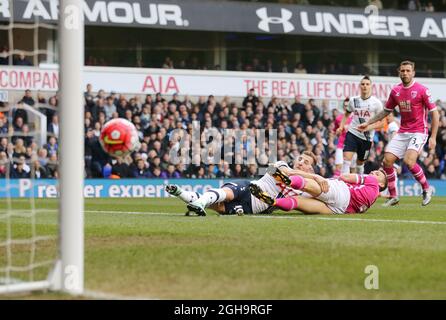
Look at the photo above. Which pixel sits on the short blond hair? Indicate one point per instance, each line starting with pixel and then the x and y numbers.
pixel 312 156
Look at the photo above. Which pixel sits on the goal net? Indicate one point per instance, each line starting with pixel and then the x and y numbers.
pixel 41 166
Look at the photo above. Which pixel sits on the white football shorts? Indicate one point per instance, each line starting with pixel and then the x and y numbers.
pixel 339 157
pixel 338 196
pixel 402 142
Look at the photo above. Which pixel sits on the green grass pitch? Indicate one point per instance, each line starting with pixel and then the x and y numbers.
pixel 147 248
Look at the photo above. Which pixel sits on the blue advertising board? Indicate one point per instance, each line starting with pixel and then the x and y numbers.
pixel 103 188
pixel 150 188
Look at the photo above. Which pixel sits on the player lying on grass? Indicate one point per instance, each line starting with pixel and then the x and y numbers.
pixel 350 193
pixel 235 197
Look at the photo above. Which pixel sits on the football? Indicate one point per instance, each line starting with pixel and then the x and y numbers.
pixel 119 138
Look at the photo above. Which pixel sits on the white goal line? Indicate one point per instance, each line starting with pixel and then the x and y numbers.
pixel 278 217
pixel 328 218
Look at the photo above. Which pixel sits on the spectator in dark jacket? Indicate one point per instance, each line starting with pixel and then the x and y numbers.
pixel 53 128
pixel 298 106
pixel 38 171
pixel 157 173
pixel 175 100
pixel 52 146
pixel 49 109
pixel 22 61
pixel 170 173
pixel 28 99
pixel 3 126
pixel 88 95
pixel 20 112
pixel 251 97
pixel 99 158
pixel 121 169
pixel 141 171
pixel 4 56
pixel 18 171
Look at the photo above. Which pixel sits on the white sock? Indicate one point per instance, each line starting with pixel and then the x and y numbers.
pixel 213 196
pixel 346 167
pixel 189 196
pixel 360 169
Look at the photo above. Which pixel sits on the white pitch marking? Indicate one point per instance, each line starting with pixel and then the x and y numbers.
pixel 136 212
pixel 285 217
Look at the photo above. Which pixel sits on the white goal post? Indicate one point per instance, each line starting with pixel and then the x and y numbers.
pixel 71 35
pixel 68 272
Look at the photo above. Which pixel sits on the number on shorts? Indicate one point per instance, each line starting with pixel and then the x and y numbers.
pixel 415 143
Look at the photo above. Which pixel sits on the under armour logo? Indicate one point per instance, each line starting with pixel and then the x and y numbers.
pixel 284 20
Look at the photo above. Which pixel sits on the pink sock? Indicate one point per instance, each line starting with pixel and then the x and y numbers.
pixel 286 204
pixel 391 176
pixel 297 182
pixel 419 176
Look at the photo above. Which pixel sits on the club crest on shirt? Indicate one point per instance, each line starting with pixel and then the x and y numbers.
pixel 413 94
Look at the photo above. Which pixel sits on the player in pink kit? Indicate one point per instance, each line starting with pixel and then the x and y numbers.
pixel 339 159
pixel 351 193
pixel 363 191
pixel 415 103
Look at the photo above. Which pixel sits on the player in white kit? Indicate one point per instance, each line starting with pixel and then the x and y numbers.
pixel 235 197
pixel 362 108
pixel 350 193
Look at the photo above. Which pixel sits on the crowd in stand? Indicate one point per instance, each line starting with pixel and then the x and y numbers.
pixel 300 125
pixel 412 5
pixel 285 66
pixel 253 65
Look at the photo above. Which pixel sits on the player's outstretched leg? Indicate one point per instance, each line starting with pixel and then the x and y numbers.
pixel 279 175
pixel 173 189
pixel 389 160
pixel 207 199
pixel 295 182
pixel 198 208
pixel 298 183
pixel 257 192
pixel 286 204
pixel 305 205
pixel 186 196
